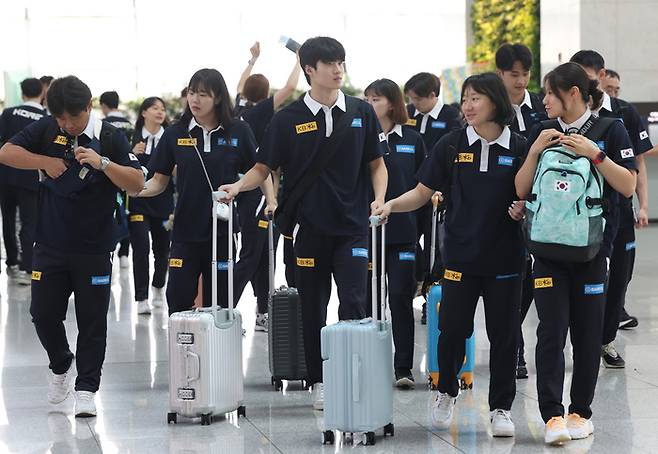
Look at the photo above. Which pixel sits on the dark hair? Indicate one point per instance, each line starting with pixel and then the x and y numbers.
pixel 391 91
pixel 423 84
pixel 589 59
pixel 569 75
pixel 508 54
pixel 612 73
pixel 68 94
pixel 31 87
pixel 212 82
pixel 183 92
pixel 46 80
pixel 491 86
pixel 139 124
pixel 320 48
pixel 256 88
pixel 110 99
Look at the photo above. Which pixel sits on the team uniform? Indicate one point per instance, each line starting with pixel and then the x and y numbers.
pixel 19 188
pixel 149 215
pixel 571 297
pixel 227 151
pixel 332 236
pixel 483 253
pixel 74 243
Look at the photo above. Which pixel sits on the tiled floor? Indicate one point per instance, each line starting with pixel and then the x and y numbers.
pixel 133 399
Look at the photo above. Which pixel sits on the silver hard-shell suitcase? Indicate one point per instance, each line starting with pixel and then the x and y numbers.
pixel 358 367
pixel 205 350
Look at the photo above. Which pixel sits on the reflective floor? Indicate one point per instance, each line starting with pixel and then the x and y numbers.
pixel 133 399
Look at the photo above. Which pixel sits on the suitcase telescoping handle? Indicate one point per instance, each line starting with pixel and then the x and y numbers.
pixel 216 197
pixel 270 246
pixel 375 221
pixel 435 218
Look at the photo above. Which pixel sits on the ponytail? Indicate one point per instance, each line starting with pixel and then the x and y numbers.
pixel 595 94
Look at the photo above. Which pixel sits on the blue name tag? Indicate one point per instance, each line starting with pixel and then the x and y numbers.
pixel 407 257
pixel 357 123
pixel 100 280
pixel 359 252
pixel 601 145
pixel 505 161
pixel 630 246
pixel 222 141
pixel 508 276
pixel 439 125
pixel 594 289
pixel 222 266
pixel 406 149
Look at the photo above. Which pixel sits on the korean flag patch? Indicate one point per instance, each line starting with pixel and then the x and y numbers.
pixel 382 137
pixel 132 157
pixel 562 186
pixel 626 153
pixel 643 135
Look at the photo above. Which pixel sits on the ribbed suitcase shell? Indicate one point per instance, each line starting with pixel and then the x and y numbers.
pixel 358 375
pixel 286 336
pixel 466 372
pixel 205 362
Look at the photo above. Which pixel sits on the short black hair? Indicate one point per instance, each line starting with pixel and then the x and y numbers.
pixel 110 99
pixel 31 87
pixel 320 48
pixel 491 86
pixel 423 84
pixel 391 91
pixel 212 82
pixel 508 54
pixel 589 59
pixel 612 73
pixel 68 94
pixel 46 80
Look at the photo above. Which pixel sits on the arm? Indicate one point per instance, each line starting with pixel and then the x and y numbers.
pixel 409 201
pixel 255 53
pixel 154 186
pixel 252 179
pixel 270 196
pixel 276 175
pixel 379 178
pixel 283 94
pixel 20 158
pixel 642 192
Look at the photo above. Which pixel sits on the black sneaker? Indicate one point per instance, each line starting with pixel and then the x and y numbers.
pixel 611 358
pixel 404 379
pixel 423 316
pixel 627 321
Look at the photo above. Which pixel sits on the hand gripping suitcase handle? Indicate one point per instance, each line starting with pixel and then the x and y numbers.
pixel 376 221
pixel 216 197
pixel 192 365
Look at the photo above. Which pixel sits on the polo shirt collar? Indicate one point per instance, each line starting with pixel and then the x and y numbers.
pixel 526 100
pixel 503 140
pixel 607 103
pixel 34 104
pixel 315 106
pixel 193 124
pixel 147 134
pixel 89 130
pixel 436 110
pixel 116 113
pixel 397 129
pixel 576 124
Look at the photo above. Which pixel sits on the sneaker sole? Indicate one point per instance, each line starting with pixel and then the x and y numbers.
pixel 144 313
pixel 318 407
pixel 442 425
pixel 85 414
pixel 260 328
pixel 580 436
pixel 563 438
pixel 55 402
pixel 630 324
pixel 405 383
pixel 503 434
pixel 613 366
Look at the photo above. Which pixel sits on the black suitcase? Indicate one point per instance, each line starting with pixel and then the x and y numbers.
pixel 285 333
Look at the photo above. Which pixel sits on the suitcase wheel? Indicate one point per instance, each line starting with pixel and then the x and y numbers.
pixel 242 411
pixel 206 419
pixel 464 386
pixel 328 437
pixel 433 386
pixel 172 417
pixel 389 429
pixel 278 384
pixel 369 438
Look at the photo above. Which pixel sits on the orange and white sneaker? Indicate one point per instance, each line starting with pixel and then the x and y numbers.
pixel 579 427
pixel 556 431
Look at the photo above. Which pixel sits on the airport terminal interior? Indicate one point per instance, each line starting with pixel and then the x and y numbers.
pixel 133 399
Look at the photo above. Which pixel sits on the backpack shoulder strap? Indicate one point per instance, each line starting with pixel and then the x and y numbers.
pixel 548 124
pixel 599 128
pixel 105 132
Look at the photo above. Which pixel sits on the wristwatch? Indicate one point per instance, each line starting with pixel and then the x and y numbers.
pixel 105 161
pixel 599 158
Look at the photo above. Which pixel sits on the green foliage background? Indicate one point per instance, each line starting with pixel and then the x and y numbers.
pixel 497 22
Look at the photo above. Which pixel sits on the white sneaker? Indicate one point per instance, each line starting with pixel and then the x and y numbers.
pixel 23 278
pixel 442 410
pixel 124 262
pixel 60 386
pixel 556 431
pixel 262 322
pixel 501 423
pixel 143 307
pixel 84 404
pixel 158 297
pixel 318 396
pixel 579 427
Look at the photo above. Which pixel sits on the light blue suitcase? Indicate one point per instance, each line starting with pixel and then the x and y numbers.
pixel 358 369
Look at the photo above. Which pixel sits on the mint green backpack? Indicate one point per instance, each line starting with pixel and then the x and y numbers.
pixel 564 213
